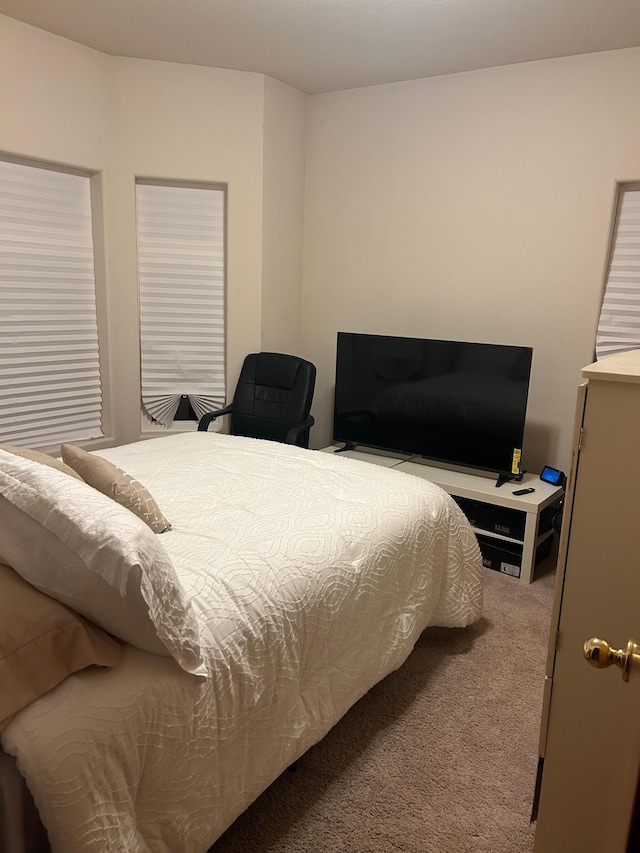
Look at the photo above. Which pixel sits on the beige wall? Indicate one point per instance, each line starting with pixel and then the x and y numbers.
pixel 54 97
pixel 127 118
pixel 283 216
pixel 475 207
pixel 188 123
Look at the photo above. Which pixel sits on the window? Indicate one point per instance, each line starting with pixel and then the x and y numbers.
pixel 619 324
pixel 50 387
pixel 181 271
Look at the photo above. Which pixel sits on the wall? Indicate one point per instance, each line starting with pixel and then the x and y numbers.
pixel 283 216
pixel 475 207
pixel 127 118
pixel 189 123
pixel 54 96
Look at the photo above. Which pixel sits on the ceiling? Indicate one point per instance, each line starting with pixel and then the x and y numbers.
pixel 326 45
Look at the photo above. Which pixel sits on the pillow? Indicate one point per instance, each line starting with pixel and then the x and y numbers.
pixel 113 482
pixel 41 643
pixel 88 552
pixel 43 458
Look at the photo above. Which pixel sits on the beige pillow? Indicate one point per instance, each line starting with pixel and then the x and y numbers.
pixel 115 483
pixel 97 557
pixel 43 458
pixel 41 643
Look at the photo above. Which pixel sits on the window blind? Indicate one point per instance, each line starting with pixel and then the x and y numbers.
pixel 619 324
pixel 181 267
pixel 50 388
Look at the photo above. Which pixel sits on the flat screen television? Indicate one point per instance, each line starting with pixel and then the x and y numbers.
pixel 452 402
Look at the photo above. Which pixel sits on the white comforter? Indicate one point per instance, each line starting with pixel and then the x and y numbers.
pixel 312 576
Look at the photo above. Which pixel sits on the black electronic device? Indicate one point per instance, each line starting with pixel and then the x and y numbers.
pixel 553 476
pixel 523 491
pixel 452 402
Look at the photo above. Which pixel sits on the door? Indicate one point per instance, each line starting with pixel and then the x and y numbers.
pixel 592 749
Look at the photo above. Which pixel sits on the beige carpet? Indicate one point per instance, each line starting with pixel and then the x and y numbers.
pixel 440 757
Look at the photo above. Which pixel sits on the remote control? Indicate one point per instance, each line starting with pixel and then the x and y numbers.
pixel 523 491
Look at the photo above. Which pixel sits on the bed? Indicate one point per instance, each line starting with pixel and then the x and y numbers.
pixel 308 577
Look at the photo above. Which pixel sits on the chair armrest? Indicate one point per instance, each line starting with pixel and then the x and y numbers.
pixel 295 431
pixel 205 420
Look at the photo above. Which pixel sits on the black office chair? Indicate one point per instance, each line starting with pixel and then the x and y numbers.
pixel 272 399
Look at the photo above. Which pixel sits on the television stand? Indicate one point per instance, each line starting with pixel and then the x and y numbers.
pixel 514 531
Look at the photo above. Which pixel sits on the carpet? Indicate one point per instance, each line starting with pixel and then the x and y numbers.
pixel 440 757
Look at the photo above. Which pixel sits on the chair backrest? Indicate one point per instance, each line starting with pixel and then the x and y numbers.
pixel 274 392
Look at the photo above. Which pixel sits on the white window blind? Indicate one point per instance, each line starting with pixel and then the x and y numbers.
pixel 619 324
pixel 181 267
pixel 50 388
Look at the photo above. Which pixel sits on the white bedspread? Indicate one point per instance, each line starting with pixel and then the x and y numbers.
pixel 312 575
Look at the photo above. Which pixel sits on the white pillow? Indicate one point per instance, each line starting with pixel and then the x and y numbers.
pixel 88 552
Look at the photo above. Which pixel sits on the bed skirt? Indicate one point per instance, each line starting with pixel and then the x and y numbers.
pixel 21 830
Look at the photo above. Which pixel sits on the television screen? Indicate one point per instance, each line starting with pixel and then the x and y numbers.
pixel 449 401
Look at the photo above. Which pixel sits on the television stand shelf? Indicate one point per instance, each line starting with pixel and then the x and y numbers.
pixel 514 531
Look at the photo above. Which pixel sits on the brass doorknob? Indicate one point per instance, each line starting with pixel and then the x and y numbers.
pixel 599 653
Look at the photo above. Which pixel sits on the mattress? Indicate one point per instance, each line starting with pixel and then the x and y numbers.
pixel 312 576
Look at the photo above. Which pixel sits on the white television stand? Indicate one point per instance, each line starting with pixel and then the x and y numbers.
pixel 490 509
